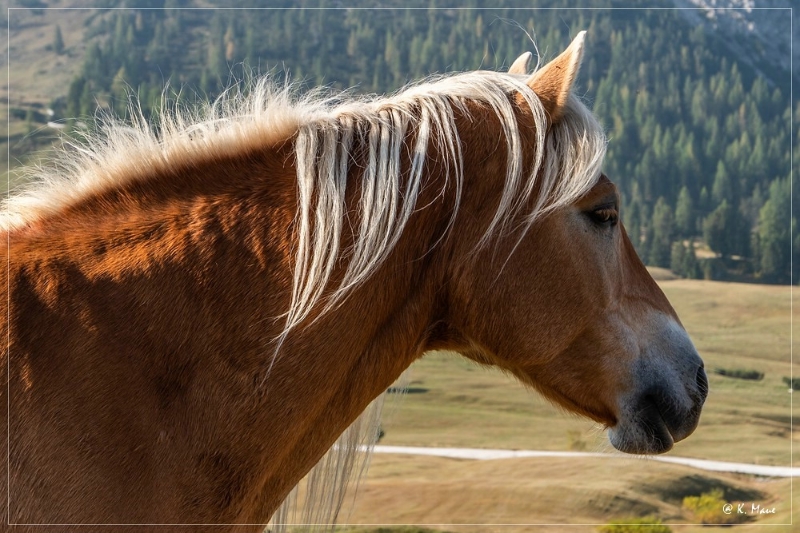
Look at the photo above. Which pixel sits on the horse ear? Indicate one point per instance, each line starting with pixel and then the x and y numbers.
pixel 553 82
pixel 520 65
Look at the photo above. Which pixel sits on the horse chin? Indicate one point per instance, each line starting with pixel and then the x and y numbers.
pixel 646 434
pixel 652 428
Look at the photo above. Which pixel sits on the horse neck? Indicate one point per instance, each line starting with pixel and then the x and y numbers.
pixel 326 373
pixel 362 346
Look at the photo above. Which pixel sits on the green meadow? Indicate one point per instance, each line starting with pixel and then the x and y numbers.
pixel 454 402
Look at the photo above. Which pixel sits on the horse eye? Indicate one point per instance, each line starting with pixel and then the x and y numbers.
pixel 605 216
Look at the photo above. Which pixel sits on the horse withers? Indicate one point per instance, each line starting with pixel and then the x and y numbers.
pixel 193 317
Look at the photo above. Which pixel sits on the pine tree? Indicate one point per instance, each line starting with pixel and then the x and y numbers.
pixel 684 213
pixel 217 66
pixel 88 104
pixel 704 200
pixel 119 48
pixel 119 92
pixel 663 228
pixel 633 223
pixel 691 268
pixel 717 229
pixel 73 107
pixel 58 41
pixel 773 231
pixel 391 55
pixel 721 189
pixel 677 257
pixel 94 64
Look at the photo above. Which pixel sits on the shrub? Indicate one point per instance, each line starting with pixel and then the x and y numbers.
pixel 708 509
pixel 740 373
pixel 647 524
pixel 794 383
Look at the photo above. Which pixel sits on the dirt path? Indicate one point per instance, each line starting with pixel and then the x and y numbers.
pixel 488 454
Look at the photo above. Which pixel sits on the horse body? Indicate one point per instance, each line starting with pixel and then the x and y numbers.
pixel 156 376
pixel 174 313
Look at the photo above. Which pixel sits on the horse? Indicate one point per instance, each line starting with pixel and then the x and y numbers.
pixel 195 312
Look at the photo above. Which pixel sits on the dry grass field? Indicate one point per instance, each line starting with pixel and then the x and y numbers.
pixel 454 402
pixel 549 494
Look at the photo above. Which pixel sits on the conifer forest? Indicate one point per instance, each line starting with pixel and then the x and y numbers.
pixel 700 140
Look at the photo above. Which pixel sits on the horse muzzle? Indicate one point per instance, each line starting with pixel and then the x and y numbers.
pixel 665 407
pixel 658 421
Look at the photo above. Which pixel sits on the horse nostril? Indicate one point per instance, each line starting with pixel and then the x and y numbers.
pixel 702 383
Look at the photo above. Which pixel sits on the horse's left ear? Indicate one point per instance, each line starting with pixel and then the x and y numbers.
pixel 553 82
pixel 520 65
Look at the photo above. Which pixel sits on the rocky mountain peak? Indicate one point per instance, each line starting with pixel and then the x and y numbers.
pixel 758 31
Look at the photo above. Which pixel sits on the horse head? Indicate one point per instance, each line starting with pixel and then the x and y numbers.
pixel 562 301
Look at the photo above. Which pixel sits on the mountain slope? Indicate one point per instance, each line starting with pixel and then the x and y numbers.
pixel 760 32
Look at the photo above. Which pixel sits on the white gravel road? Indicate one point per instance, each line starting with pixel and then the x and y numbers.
pixel 488 454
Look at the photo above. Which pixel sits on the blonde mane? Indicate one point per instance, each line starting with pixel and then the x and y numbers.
pixel 567 159
pixel 326 129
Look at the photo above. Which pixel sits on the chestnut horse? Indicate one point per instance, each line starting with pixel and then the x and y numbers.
pixel 194 315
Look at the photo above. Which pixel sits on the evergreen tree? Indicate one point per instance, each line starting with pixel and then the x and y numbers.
pixel 716 229
pixel 119 49
pixel 773 231
pixel 684 213
pixel 633 223
pixel 690 268
pixel 391 55
pixel 663 228
pixel 677 258
pixel 73 107
pixel 119 92
pixel 58 41
pixel 94 65
pixel 88 103
pixel 721 190
pixel 705 201
pixel 217 66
